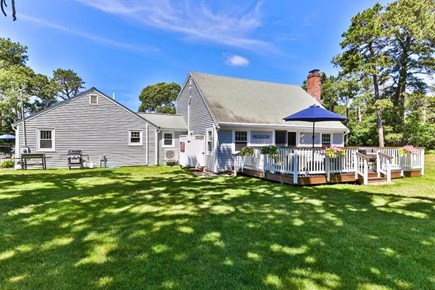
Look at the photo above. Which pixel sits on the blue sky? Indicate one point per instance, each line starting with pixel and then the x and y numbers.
pixel 121 46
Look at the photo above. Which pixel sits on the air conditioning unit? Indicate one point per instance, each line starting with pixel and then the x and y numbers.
pixel 171 154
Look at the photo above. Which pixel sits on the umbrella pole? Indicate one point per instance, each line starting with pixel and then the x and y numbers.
pixel 312 149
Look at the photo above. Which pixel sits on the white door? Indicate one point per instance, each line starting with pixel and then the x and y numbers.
pixel 192 151
pixel 183 154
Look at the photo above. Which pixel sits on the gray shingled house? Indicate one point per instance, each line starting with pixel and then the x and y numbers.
pixel 99 126
pixel 216 117
pixel 232 113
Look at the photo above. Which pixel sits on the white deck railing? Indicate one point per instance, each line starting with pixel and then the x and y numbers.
pixel 305 161
pixel 383 165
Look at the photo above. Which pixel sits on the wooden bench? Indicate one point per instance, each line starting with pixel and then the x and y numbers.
pixel 27 156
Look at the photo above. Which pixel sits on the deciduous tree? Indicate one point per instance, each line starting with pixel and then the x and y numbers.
pixel 159 98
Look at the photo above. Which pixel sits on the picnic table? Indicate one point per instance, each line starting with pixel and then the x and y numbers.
pixel 27 156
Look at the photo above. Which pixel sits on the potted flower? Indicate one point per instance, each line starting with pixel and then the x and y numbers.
pixel 407 150
pixel 406 153
pixel 334 151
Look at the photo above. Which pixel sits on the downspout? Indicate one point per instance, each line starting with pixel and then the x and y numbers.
pixel 147 144
pixel 157 146
pixel 344 137
pixel 215 148
pixel 188 114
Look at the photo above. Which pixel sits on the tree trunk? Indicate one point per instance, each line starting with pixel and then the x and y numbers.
pixel 378 113
pixel 399 95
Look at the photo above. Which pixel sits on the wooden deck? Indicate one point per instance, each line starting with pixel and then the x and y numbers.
pixel 317 179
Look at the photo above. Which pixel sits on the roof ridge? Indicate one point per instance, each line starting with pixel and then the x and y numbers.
pixel 153 113
pixel 244 79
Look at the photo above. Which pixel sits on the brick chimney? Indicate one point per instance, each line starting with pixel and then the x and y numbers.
pixel 314 84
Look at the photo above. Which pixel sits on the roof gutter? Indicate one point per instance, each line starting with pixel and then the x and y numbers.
pixel 259 125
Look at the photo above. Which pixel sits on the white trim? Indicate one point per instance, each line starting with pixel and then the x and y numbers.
pixel 256 125
pixel 140 138
pixel 163 139
pixel 207 152
pixel 147 145
pixel 205 102
pixel 53 139
pixel 216 144
pixel 157 149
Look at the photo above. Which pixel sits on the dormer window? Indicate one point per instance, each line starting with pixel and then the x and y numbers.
pixel 93 99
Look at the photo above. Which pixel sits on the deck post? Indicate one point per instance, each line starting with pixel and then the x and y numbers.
pixel 355 165
pixel 378 164
pixel 401 162
pixel 366 172
pixel 327 167
pixel 422 161
pixel 264 158
pixel 295 168
pixel 236 161
pixel 388 170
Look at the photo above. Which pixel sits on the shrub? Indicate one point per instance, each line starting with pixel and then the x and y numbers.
pixel 7 164
pixel 271 150
pixel 247 151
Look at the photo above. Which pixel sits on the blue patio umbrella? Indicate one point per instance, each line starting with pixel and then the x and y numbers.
pixel 7 137
pixel 314 114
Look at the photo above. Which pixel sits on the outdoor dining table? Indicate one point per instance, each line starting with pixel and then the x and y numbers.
pixel 27 156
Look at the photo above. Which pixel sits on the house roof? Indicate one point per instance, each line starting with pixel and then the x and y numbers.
pixel 165 121
pixel 243 101
pixel 86 92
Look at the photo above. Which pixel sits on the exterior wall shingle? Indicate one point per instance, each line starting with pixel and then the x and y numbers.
pixel 98 130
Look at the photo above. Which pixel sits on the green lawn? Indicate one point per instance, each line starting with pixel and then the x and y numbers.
pixel 148 227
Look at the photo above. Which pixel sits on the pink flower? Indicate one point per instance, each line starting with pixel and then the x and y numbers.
pixel 408 149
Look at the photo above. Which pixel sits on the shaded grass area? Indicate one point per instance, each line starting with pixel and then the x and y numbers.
pixel 161 228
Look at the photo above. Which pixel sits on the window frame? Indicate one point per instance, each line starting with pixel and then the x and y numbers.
pixel 140 143
pixel 53 140
pixel 209 139
pixel 330 139
pixel 172 139
pixel 236 142
pixel 90 99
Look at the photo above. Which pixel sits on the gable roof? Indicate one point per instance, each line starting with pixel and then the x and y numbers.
pixel 243 101
pixel 165 121
pixel 87 92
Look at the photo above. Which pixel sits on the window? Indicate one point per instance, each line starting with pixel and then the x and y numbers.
pixel 291 139
pixel 280 138
pixel 135 138
pixel 168 140
pixel 241 140
pixel 209 141
pixel 326 139
pixel 93 99
pixel 45 139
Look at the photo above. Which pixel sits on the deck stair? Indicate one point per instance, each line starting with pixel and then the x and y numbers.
pixel 374 179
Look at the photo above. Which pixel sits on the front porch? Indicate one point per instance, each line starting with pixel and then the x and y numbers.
pixel 302 166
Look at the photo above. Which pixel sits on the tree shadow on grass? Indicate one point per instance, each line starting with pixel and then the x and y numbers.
pixel 163 228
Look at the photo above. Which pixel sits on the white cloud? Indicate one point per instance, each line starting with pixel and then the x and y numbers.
pixel 225 22
pixel 236 60
pixel 88 36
